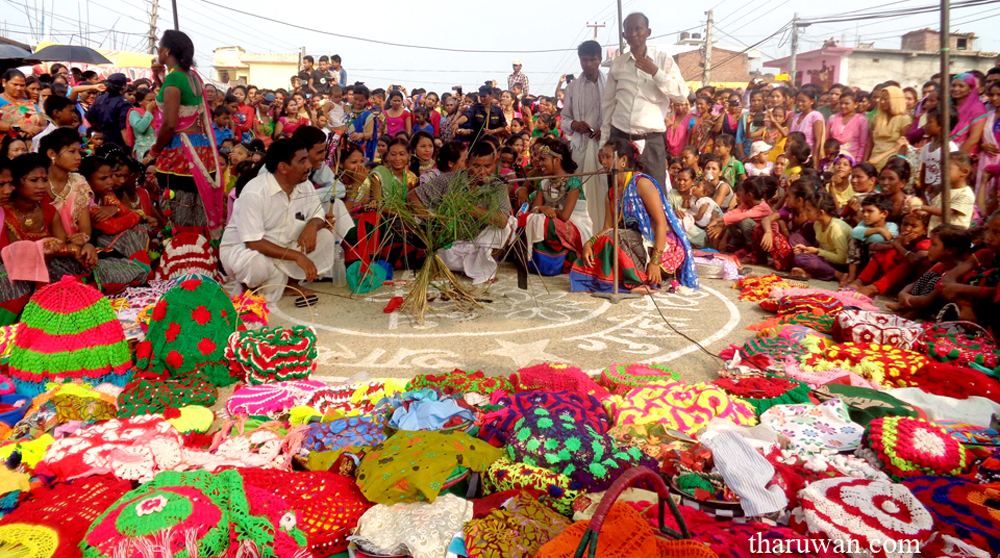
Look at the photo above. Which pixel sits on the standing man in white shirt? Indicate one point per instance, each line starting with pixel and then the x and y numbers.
pixel 277 231
pixel 637 97
pixel 581 122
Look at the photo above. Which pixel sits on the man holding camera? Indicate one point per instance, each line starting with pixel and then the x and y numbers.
pixel 581 122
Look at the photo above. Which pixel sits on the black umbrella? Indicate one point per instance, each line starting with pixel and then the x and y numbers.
pixel 68 53
pixel 13 52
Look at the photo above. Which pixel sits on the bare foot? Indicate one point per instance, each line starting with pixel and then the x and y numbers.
pixel 798 273
pixel 299 290
pixel 894 306
pixel 643 290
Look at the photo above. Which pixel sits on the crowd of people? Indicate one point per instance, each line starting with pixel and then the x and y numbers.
pixel 828 183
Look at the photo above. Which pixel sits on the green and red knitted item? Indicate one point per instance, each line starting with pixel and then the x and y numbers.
pixel 460 381
pixel 189 330
pixel 150 393
pixel 176 512
pixel 272 354
pixel 622 378
pixel 764 393
pixel 906 447
pixel 818 304
pixel 70 332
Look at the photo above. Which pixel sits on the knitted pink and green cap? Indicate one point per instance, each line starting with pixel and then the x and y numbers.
pixel 70 332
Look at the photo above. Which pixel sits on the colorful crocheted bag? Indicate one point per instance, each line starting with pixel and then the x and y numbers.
pixel 558 490
pixel 327 505
pixel 881 364
pixel 862 326
pixel 270 400
pixel 52 521
pixel 565 446
pixel 195 513
pixel 622 378
pixel 70 332
pixel 149 393
pixel 910 447
pixel 272 354
pixel 961 508
pixel 460 381
pixel 818 304
pixel 188 252
pixel 189 330
pixel 681 407
pixel 583 409
pixel 765 392
pixel 866 511
pixel 556 377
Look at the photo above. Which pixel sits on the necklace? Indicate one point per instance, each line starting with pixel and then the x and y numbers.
pixel 52 191
pixel 29 221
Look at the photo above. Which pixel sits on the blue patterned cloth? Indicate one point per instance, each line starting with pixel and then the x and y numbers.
pixel 634 212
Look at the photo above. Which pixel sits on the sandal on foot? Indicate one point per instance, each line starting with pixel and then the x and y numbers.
pixel 304 301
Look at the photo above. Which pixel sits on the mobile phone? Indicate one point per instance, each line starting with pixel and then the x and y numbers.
pixel 569 78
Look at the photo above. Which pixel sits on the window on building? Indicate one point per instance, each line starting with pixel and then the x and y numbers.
pixel 963 43
pixel 224 76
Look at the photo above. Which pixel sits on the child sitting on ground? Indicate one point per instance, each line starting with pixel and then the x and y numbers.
pixel 797 153
pixel 724 196
pixel 972 284
pixel 892 263
pixel 963 200
pixel 788 226
pixel 873 228
pixel 705 210
pixel 759 165
pixel 921 299
pixel 734 229
pixel 828 260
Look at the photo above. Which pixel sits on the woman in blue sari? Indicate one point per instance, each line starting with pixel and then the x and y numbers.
pixel 362 128
pixel 648 242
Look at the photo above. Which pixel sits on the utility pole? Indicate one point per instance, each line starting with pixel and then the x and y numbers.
pixel 795 46
pixel 946 102
pixel 595 27
pixel 177 23
pixel 706 76
pixel 621 49
pixel 152 26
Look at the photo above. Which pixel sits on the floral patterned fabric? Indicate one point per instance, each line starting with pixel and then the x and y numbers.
pixel 516 531
pixel 412 466
pixel 814 428
pixel 418 529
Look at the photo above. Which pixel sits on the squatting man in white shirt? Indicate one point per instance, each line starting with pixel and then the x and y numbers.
pixel 278 231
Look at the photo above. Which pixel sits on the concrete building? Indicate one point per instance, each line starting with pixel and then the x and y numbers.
pixel 865 66
pixel 235 66
pixel 730 65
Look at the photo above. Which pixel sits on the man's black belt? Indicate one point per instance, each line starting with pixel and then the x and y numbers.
pixel 636 137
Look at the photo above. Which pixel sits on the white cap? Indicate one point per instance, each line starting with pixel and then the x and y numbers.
pixel 517 62
pixel 759 147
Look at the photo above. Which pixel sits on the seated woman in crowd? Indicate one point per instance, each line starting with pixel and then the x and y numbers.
pixel 27 217
pixel 651 237
pixel 922 299
pixel 778 232
pixel 422 154
pixel 380 236
pixel 972 284
pixel 864 179
pixel 68 192
pixel 559 222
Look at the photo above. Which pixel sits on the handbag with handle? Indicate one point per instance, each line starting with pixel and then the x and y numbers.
pixel 863 326
pixel 626 534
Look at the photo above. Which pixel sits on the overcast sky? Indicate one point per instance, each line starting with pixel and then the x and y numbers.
pixel 511 26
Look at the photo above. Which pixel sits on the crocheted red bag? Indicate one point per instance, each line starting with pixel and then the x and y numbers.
pixel 556 377
pixel 460 381
pixel 274 354
pixel 906 447
pixel 53 520
pixel 327 505
pixel 813 303
pixel 764 393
